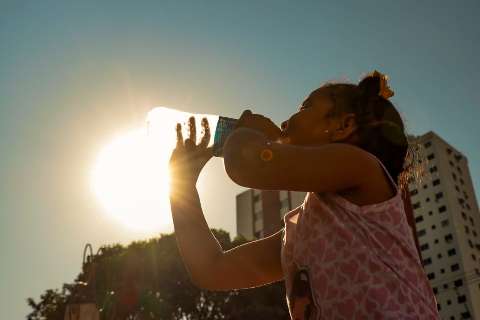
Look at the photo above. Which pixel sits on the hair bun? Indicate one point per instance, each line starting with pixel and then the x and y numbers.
pixel 375 84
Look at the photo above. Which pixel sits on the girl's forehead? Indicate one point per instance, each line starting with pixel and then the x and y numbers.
pixel 320 98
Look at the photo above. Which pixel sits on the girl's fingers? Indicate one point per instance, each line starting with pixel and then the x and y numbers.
pixel 179 135
pixel 206 134
pixel 189 144
pixel 192 130
pixel 243 117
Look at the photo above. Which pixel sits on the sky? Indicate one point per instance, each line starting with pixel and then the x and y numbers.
pixel 73 74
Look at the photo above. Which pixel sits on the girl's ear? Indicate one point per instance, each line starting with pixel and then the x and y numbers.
pixel 346 127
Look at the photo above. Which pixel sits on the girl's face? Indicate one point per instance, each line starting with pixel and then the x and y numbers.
pixel 315 123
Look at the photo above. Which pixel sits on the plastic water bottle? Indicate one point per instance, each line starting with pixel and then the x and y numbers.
pixel 162 121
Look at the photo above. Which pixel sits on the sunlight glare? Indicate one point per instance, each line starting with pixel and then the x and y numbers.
pixel 131 179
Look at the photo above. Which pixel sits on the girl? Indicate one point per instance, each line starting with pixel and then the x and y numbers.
pixel 347 252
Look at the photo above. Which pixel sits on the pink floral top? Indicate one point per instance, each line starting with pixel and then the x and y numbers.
pixel 343 261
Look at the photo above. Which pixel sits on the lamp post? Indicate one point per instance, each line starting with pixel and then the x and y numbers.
pixel 81 304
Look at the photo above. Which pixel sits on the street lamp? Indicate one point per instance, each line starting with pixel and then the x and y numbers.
pixel 81 304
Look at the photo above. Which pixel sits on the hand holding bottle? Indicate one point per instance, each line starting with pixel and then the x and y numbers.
pixel 260 123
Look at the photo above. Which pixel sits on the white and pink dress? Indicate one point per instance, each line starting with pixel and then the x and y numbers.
pixel 344 261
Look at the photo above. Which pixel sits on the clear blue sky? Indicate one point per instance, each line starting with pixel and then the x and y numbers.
pixel 72 74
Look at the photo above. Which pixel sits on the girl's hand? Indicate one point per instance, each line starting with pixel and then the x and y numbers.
pixel 260 123
pixel 188 159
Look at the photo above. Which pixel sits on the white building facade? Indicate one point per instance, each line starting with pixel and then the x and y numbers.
pixel 447 223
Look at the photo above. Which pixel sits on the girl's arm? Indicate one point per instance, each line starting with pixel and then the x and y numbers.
pixel 252 160
pixel 249 265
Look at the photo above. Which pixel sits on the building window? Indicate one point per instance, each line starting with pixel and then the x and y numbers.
pixel 433 169
pixel 466 315
pixel 413 192
pixel 470 244
pixel 438 195
pixel 434 227
pixel 436 182
pixel 449 302
pixel 427 261
pixel 455 267
pixel 439 256
pixel 438 305
pixel 442 209
pixel 461 181
pixel 416 205
pixel 454 176
pixel 449 151
pixel 424 247
pixel 419 219
pixel 428 199
pixel 430 213
pixel 428 144
pixel 435 241
pixel 459 170
pixel 464 216
pixel 445 223
pixel 458 283
pixel 430 156
pixel 474 233
pixel 431 275
pixel 442 271
pixel 421 233
pixel 452 252
pixel 467 231
pixel 451 163
pixel 471 221
pixel 445 286
pixel 448 238
pixel 462 299
pixel 435 290
pixel 474 257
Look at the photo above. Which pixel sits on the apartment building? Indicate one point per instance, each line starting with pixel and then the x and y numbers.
pixel 260 212
pixel 448 228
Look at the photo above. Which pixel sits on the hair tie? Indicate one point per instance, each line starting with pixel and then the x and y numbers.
pixel 385 90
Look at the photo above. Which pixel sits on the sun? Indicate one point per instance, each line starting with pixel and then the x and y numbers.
pixel 131 180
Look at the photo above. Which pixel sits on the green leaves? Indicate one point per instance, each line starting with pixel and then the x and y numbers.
pixel 147 279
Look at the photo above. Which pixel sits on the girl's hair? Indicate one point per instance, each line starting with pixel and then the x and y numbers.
pixel 380 128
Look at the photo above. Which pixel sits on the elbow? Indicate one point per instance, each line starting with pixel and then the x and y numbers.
pixel 208 279
pixel 233 159
pixel 232 168
pixel 239 157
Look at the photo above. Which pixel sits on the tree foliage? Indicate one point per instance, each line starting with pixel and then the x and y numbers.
pixel 147 280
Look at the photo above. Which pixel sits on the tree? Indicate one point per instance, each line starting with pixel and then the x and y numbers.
pixel 147 279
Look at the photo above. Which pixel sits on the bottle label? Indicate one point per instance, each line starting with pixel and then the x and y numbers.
pixel 225 126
